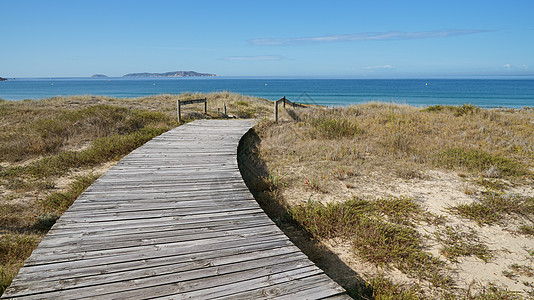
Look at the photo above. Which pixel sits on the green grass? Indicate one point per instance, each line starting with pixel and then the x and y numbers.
pixel 59 202
pixel 456 243
pixel 328 128
pixel 493 185
pixel 45 132
pixel 492 292
pixel 479 161
pixel 522 270
pixel 457 111
pixel 381 288
pixel 14 248
pixel 493 208
pixel 45 221
pixel 434 108
pixel 102 150
pixel 527 230
pixel 465 109
pixel 382 232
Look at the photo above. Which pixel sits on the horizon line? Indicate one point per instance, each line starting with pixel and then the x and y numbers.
pixel 433 76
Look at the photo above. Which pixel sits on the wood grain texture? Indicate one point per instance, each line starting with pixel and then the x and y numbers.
pixel 172 220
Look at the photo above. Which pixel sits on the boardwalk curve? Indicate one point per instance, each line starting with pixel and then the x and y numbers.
pixel 171 220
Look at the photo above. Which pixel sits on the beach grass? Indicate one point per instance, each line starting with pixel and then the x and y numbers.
pixel 316 162
pixel 51 150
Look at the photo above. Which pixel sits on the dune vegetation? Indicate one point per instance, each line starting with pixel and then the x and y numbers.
pixel 418 203
pixel 51 150
pixel 392 201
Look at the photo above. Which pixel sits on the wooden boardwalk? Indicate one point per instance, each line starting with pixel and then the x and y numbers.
pixel 172 220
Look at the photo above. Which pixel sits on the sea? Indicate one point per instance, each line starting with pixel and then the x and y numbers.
pixel 512 93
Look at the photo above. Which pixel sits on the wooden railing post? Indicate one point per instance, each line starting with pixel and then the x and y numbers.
pixel 179 110
pixel 284 100
pixel 179 104
pixel 276 111
pixel 224 104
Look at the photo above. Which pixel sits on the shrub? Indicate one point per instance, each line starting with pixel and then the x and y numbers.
pixel 381 232
pixel 434 108
pixel 479 160
pixel 493 207
pixel 465 109
pixel 334 128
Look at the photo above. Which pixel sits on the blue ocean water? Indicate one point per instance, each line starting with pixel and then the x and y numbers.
pixel 419 92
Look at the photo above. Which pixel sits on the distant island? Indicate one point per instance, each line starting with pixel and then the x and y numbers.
pixel 3 79
pixel 99 76
pixel 171 74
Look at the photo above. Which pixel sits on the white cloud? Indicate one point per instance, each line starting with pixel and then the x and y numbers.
pixel 364 36
pixel 255 58
pixel 515 67
pixel 379 67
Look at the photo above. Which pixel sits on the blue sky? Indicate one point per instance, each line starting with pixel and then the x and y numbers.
pixel 361 39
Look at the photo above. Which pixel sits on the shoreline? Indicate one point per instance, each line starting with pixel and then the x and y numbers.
pixel 422 106
pixel 329 92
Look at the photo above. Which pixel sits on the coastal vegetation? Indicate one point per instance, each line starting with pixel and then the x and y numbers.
pixel 51 150
pixel 419 203
pixel 392 201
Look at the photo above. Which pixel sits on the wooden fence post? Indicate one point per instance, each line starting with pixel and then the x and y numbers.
pixel 224 104
pixel 276 111
pixel 284 101
pixel 179 108
pixel 205 105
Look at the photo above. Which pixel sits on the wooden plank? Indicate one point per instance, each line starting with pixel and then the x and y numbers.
pixel 67 245
pixel 309 285
pixel 43 256
pixel 156 227
pixel 178 265
pixel 159 285
pixel 183 102
pixel 235 246
pixel 145 237
pixel 34 274
pixel 255 288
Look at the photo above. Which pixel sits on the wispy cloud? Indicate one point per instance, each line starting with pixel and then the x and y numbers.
pixel 515 67
pixel 365 36
pixel 255 58
pixel 379 67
